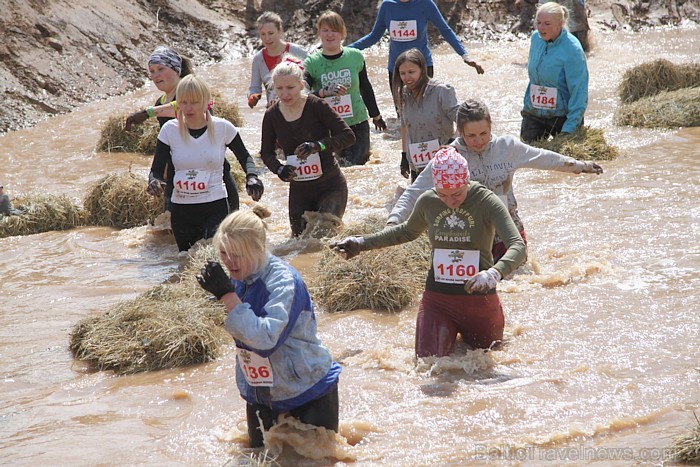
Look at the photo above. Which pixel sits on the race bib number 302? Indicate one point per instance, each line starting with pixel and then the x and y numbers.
pixel 403 31
pixel 341 104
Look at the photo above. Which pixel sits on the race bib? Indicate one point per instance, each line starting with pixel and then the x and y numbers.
pixel 256 369
pixel 191 184
pixel 309 169
pixel 341 104
pixel 455 266
pixel 403 31
pixel 543 97
pixel 421 153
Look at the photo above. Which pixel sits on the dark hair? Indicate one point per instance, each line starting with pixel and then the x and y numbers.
pixel 187 68
pixel 472 110
pixel 413 56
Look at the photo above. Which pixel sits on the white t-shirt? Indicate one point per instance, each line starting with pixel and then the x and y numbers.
pixel 198 162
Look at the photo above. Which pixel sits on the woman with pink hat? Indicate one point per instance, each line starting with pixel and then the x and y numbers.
pixel 461 218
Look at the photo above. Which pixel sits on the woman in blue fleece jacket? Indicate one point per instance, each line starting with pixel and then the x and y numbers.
pixel 557 95
pixel 281 365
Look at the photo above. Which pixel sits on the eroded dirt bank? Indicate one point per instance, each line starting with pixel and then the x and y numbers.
pixel 57 54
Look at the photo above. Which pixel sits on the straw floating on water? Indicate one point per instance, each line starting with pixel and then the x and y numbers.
pixel 652 78
pixel 121 201
pixel 385 279
pixel 687 448
pixel 168 326
pixel 585 143
pixel 680 108
pixel 42 213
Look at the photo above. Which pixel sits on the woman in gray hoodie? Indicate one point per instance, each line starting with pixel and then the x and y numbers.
pixel 493 161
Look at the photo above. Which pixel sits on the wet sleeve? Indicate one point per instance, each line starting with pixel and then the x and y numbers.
pixel 537 158
pixel 255 76
pixel 576 72
pixel 508 232
pixel 375 34
pixel 242 154
pixel 404 206
pixel 267 143
pixel 435 17
pixel 367 93
pixel 161 160
pixel 402 233
pixel 342 135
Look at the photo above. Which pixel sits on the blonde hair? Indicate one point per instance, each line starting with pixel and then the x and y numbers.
pixel 334 21
pixel 559 11
pixel 193 89
pixel 289 66
pixel 243 232
pixel 270 17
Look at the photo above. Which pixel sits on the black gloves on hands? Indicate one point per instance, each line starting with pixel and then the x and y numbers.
pixel 213 279
pixel 135 118
pixel 405 169
pixel 348 247
pixel 286 173
pixel 304 150
pixel 155 186
pixel 254 187
pixel 379 123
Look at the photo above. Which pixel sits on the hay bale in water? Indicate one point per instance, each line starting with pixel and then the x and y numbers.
pixel 671 109
pixel 321 224
pixel 42 213
pixel 168 326
pixel 651 78
pixel 238 174
pixel 585 143
pixel 121 201
pixel 386 279
pixel 687 448
pixel 142 138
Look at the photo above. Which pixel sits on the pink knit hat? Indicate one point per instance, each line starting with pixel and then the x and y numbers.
pixel 450 169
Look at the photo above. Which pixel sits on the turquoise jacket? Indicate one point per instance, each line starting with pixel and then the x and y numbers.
pixel 559 64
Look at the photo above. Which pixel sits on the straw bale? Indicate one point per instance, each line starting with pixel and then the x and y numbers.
pixel 385 279
pixel 42 213
pixel 121 201
pixel 680 108
pixel 170 325
pixel 321 224
pixel 651 78
pixel 142 138
pixel 686 448
pixel 585 143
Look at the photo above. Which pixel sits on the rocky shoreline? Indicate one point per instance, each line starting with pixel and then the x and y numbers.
pixel 58 54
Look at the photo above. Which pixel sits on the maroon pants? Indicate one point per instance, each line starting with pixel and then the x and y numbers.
pixel 478 318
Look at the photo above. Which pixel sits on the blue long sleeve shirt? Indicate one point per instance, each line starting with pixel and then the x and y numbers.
pixel 559 64
pixel 420 11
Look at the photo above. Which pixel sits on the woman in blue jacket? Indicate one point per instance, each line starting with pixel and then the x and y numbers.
pixel 557 94
pixel 281 365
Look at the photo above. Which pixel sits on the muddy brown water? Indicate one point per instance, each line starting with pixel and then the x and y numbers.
pixel 602 328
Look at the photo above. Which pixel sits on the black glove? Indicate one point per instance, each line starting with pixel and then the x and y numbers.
pixel 286 173
pixel 254 187
pixel 379 123
pixel 155 186
pixel 348 247
pixel 304 150
pixel 213 279
pixel 135 118
pixel 405 169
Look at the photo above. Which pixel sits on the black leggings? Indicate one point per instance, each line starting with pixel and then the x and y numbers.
pixel 329 195
pixel 319 412
pixel 193 222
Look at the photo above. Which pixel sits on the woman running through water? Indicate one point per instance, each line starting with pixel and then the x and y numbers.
pixel 461 218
